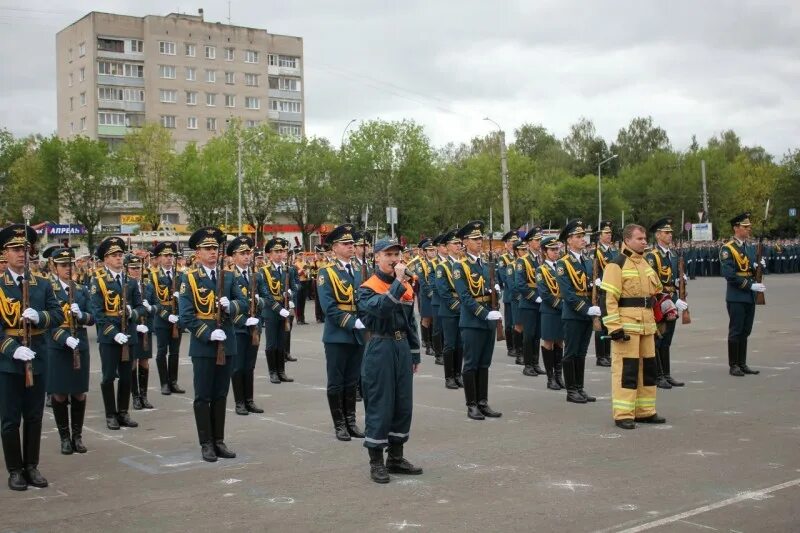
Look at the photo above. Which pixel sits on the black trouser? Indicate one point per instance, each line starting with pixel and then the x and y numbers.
pixel 302 295
pixel 740 323
pixel 167 372
pixel 19 404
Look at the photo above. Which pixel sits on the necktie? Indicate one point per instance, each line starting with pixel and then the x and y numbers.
pixel 19 280
pixel 214 276
pixel 169 278
pixel 349 269
pixel 246 279
pixel 279 272
pixel 66 289
pixel 118 279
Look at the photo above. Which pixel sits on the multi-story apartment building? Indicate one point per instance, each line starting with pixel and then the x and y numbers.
pixel 116 72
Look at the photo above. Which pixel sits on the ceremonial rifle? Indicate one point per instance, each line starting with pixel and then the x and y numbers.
pixel 501 334
pixel 173 291
pixel 597 325
pixel 144 337
pixel 287 324
pixel 76 354
pixel 760 299
pixel 686 317
pixel 255 331
pixel 27 212
pixel 219 289
pixel 123 313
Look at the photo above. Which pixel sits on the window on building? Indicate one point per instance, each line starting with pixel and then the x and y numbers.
pixel 82 74
pixel 250 56
pixel 166 48
pixel 252 102
pixel 211 76
pixel 285 106
pixel 283 61
pixel 191 123
pixel 229 54
pixel 230 100
pixel 134 95
pixel 168 96
pixel 251 80
pixel 211 99
pixel 211 124
pixel 107 118
pixel 109 93
pixel 82 49
pixel 191 98
pixel 251 123
pixel 134 71
pixel 230 78
pixel 190 49
pixel 83 123
pixel 211 52
pixel 167 71
pixel 168 121
pixel 134 120
pixel 107 45
pixel 292 130
pixel 284 84
pixel 191 74
pixel 137 46
pixel 71 103
pixel 83 98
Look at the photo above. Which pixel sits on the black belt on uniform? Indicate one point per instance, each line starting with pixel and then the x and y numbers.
pixel 636 302
pixel 397 335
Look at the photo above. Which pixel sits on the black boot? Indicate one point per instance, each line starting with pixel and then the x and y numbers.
pixel 602 349
pixel 202 418
pixel 77 412
pixel 547 357
pixel 358 391
pixel 518 336
pixel 123 401
pixel 661 378
pixel 743 358
pixel 377 470
pixel 237 384
pixel 580 370
pixel 144 378
pixel 436 341
pixel 665 362
pixel 509 332
pixel 172 365
pixel 733 358
pixel 459 379
pixel 272 366
pixel 471 394
pixel 13 456
pixel 527 357
pixel 31 439
pixel 536 367
pixel 573 396
pixel 110 405
pixel 482 383
pixel 449 374
pixel 350 413
pixel 163 375
pixel 335 400
pixel 248 381
pixel 218 427
pixel 137 401
pixel 458 366
pixel 425 337
pixel 62 424
pixel 397 464
pixel 281 362
pixel 558 367
pixel 287 351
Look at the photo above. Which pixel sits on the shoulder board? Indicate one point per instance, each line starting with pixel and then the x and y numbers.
pixel 620 260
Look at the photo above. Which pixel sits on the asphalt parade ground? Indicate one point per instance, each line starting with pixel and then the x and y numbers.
pixel 728 458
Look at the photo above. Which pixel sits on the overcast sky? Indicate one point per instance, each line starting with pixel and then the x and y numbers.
pixel 696 66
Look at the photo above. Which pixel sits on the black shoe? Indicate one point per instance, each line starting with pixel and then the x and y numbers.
pixel 241 409
pixel 459 381
pixel 174 387
pixel 112 422
pixel 519 360
pixel 529 371
pixel 604 361
pixel 625 423
pixel 573 396
pixel 290 358
pixel 450 383
pixel 396 464
pixel 77 444
pixel 66 445
pixel 377 470
pixel 675 382
pixel 137 403
pixel 145 403
pixel 208 453
pixel 736 371
pixel 552 384
pixel 487 411
pixel 662 383
pixel 273 377
pixel 222 450
pixel 125 420
pixel 652 419
pixel 538 369
pixel 586 397
pixel 251 407
pixel 17 481
pixel 746 370
pixel 165 390
pixel 474 413
pixel 438 360
pixel 283 377
pixel 34 478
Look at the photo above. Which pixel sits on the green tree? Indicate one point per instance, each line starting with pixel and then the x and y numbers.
pixel 639 141
pixel 586 148
pixel 204 183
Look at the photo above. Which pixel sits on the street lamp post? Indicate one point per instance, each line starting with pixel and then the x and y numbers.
pixel 600 188
pixel 240 144
pixel 503 176
pixel 341 144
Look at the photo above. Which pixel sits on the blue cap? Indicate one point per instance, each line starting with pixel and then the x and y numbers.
pixel 386 244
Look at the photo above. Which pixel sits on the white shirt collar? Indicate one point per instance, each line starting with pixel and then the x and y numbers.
pixel 740 243
pixel 551 263
pixel 208 270
pixel 13 274
pixel 113 274
pixel 473 257
pixel 342 264
pixel 665 250
pixel 453 259
pixel 276 266
pixel 577 255
pixel 63 285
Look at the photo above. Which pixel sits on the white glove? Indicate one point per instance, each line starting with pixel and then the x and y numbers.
pixel 538 299
pixel 251 321
pixel 359 324
pixel 173 319
pixel 284 313
pixel 258 298
pixel 176 294
pixel 758 287
pixel 225 303
pixel 72 342
pixel 763 263
pixel 681 305
pixel 291 304
pixel 76 310
pixel 497 287
pixel 597 282
pixel 31 315
pixel 23 353
pixel 147 305
pixel 121 338
pixel 494 315
pixel 141 328
pixel 289 292
pixel 685 278
pixel 594 311
pixel 218 335
pixel 128 308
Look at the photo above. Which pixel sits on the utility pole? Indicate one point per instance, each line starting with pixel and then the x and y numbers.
pixel 503 176
pixel 705 189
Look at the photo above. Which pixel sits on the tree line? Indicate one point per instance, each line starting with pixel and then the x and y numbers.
pixel 382 164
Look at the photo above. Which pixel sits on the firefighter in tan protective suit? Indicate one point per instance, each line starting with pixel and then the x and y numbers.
pixel 630 285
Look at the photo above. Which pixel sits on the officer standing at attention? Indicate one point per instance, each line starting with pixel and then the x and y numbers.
pixel 630 285
pixel 342 336
pixel 738 263
pixel 19 403
pixel 116 346
pixel 604 253
pixel 574 274
pixel 425 275
pixel 198 308
pixel 240 250
pixel 272 289
pixel 506 280
pixel 477 322
pixel 391 358
pixel 63 379
pixel 143 352
pixel 529 301
pixel 165 322
pixel 450 312
pixel 552 330
pixel 437 337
